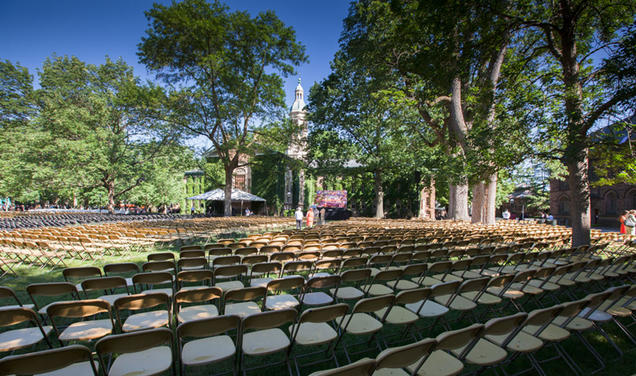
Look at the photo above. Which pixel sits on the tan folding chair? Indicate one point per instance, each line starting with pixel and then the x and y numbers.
pixel 122 269
pixel 161 256
pixel 192 263
pixel 230 277
pixel 435 274
pixel 261 335
pixel 378 284
pixel 409 273
pixel 427 308
pixel 324 268
pixel 159 266
pixel 191 253
pixel 313 329
pixel 89 327
pixel 399 314
pixel 144 320
pixel 15 339
pixel 360 322
pixel 350 282
pixel 362 367
pixel 77 274
pixel 197 304
pixel 311 297
pixel 8 293
pixel 262 273
pixel 148 283
pixel 243 302
pixel 112 287
pixel 64 290
pixel 284 292
pixel 147 352
pixel 195 279
pixel 441 362
pixel 211 345
pixel 68 360
pixel 393 361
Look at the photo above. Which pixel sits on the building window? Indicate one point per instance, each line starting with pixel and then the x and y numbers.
pixel 564 206
pixel 610 203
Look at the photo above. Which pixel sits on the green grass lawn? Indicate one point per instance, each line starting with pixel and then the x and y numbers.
pixel 624 366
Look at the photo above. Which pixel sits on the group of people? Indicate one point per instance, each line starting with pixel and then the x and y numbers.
pixel 628 222
pixel 312 213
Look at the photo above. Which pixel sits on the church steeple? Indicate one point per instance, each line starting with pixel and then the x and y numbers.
pixel 299 101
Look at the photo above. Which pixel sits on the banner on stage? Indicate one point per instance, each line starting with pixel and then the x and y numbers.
pixel 331 199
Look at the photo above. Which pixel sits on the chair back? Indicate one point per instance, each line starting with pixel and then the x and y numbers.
pixel 400 357
pixel 269 319
pixel 373 304
pixel 208 327
pixel 45 361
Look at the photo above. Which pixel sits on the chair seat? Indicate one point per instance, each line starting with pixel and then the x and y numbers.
pixel 398 315
pixel 20 338
pixel 549 286
pixel 403 284
pixel 190 288
pixel 316 298
pixel 75 369
pixel 427 281
pixel 430 309
pixel 167 291
pixel 484 353
pixel 485 298
pixel 142 363
pixel 447 277
pixel 243 309
pixel 562 281
pixel 42 311
pixel 230 285
pixel 361 323
pixel 263 342
pixel 111 298
pixel 146 320
pixel 390 372
pixel 377 289
pixel 522 342
pixel 439 363
pixel 597 315
pixel 579 324
pixel 260 282
pixel 283 301
pixel 204 311
pixel 468 274
pixel 551 333
pixel 86 330
pixel 527 289
pixel 207 350
pixel 348 293
pixel 509 293
pixel 311 333
pixel 459 303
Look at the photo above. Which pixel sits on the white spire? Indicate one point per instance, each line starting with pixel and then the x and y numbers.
pixel 299 101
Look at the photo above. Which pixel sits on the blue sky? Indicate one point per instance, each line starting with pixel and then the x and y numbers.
pixel 31 31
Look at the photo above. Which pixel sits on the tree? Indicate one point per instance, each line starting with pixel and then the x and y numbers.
pixel 573 33
pixel 226 66
pixel 448 56
pixel 101 127
pixel 349 104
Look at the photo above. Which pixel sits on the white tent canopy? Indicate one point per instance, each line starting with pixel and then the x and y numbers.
pixel 219 195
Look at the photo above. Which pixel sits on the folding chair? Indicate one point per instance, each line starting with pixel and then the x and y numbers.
pixel 247 301
pixel 122 269
pixel 394 360
pixel 200 303
pixel 211 344
pixel 147 352
pixel 15 339
pixel 261 335
pixel 410 272
pixel 324 268
pixel 313 329
pixel 159 266
pixel 312 298
pixel 261 274
pixel 200 279
pixel 50 289
pixel 69 360
pixel 360 322
pixel 161 256
pixel 108 285
pixel 350 281
pixel 291 286
pixel 146 283
pixel 85 329
pixel 399 314
pixel 231 274
pixel 144 320
pixel 80 273
pixel 378 284
pixel 8 293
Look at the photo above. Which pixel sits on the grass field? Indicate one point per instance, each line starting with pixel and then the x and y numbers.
pixel 615 366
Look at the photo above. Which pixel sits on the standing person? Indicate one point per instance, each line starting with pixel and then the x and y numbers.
pixel 323 212
pixel 310 217
pixel 299 218
pixel 622 219
pixel 630 222
pixel 506 214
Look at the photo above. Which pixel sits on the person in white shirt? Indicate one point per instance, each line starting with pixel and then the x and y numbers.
pixel 506 214
pixel 299 218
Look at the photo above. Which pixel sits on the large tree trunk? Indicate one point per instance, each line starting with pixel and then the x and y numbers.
pixel 580 199
pixel 227 203
pixel 110 187
pixel 379 195
pixel 484 194
pixel 458 202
